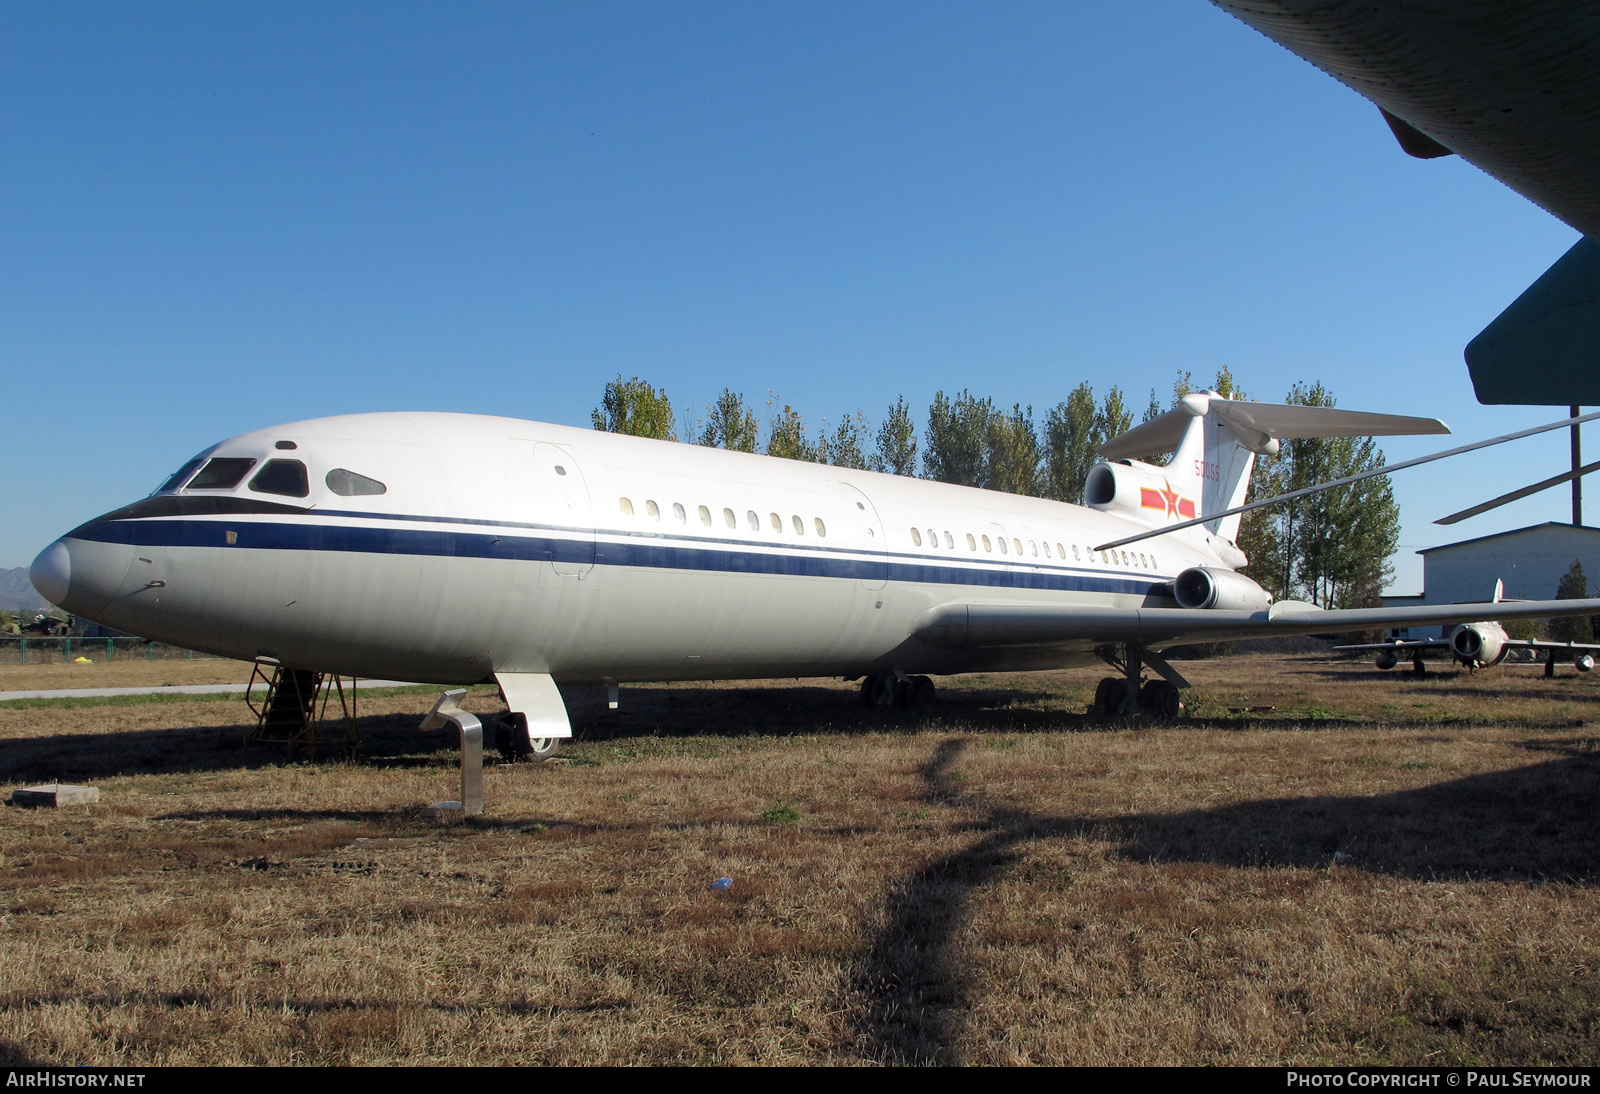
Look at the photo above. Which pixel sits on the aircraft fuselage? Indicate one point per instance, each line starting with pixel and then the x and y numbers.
pixel 446 548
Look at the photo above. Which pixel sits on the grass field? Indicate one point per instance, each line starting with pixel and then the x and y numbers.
pixel 1376 870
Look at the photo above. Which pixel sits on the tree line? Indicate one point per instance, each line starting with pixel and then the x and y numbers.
pixel 1331 548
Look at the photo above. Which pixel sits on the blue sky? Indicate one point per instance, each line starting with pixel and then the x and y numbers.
pixel 216 217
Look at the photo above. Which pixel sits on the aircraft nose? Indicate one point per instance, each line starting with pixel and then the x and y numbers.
pixel 51 572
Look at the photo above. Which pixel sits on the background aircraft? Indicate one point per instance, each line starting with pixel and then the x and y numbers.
pixel 1476 645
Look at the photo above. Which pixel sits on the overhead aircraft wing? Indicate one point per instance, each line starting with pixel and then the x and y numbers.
pixel 1513 88
pixel 980 625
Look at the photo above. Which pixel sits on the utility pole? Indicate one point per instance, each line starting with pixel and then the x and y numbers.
pixel 1577 479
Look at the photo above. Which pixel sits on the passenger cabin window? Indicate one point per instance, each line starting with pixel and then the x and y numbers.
pixel 678 514
pixel 949 542
pixel 729 519
pixel 799 525
pixel 916 537
pixel 753 520
pixel 222 473
pixel 777 522
pixel 705 516
pixel 626 506
pixel 987 546
pixel 348 484
pixel 652 510
pixel 1003 549
pixel 972 544
pixel 822 529
pixel 285 477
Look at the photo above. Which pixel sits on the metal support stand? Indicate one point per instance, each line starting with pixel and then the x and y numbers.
pixel 446 710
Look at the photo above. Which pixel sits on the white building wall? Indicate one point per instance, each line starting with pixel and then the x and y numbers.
pixel 1531 562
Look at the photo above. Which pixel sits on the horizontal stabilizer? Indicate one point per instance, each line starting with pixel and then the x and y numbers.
pixel 1254 424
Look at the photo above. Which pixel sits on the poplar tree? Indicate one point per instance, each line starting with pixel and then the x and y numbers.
pixel 786 437
pixel 958 439
pixel 636 408
pixel 897 442
pixel 846 446
pixel 1572 628
pixel 1069 445
pixel 730 424
pixel 1012 461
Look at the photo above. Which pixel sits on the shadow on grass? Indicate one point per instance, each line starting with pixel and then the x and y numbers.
pixel 393 740
pixel 1535 823
pixel 390 740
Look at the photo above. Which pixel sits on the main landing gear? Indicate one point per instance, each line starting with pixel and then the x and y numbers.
pixel 1131 694
pixel 898 691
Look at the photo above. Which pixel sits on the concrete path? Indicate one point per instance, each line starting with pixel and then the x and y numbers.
pixel 181 689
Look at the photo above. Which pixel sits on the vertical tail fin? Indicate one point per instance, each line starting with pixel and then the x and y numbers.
pixel 1214 442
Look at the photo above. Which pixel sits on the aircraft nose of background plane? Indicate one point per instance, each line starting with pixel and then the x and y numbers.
pixel 51 572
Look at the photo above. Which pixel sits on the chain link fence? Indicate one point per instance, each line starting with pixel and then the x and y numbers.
pixel 41 650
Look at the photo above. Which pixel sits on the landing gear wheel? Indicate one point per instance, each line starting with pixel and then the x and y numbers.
pixel 1161 699
pixel 511 738
pixel 542 748
pixel 880 691
pixel 1115 692
pixel 1102 694
pixel 920 693
pixel 869 690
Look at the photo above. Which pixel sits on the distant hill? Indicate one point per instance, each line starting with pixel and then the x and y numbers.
pixel 17 592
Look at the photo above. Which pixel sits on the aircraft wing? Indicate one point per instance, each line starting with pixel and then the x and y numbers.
pixel 1406 645
pixel 1546 644
pixel 980 625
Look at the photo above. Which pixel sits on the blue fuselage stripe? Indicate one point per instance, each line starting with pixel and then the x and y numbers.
pixel 641 553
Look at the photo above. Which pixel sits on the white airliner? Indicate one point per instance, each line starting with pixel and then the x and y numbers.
pixel 452 549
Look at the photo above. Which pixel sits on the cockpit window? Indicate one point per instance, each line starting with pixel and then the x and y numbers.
pixel 178 476
pixel 348 484
pixel 286 477
pixel 222 473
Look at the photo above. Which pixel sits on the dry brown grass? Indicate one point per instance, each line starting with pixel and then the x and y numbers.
pixel 128 672
pixel 1004 882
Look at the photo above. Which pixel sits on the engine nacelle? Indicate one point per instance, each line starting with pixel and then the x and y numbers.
pixel 1478 643
pixel 1204 587
pixel 1140 491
